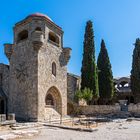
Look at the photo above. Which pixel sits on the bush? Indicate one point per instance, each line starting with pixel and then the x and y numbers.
pixel 85 94
pixel 78 95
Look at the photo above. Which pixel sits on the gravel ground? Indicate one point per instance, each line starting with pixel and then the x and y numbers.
pixel 118 130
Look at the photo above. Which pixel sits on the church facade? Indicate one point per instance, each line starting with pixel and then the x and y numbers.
pixel 34 84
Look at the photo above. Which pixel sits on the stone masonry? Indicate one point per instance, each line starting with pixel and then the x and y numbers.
pixel 37 87
pixel 73 84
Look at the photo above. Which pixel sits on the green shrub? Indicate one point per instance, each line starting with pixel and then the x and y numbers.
pixel 78 95
pixel 85 94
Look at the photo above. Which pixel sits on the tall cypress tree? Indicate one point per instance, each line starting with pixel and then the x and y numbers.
pixel 135 72
pixel 89 76
pixel 106 86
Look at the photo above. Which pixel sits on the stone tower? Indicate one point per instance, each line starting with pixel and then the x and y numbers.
pixel 38 73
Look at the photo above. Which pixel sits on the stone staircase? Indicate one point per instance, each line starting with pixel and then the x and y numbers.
pixel 52 114
pixel 53 117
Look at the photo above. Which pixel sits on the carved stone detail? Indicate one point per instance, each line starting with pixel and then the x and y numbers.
pixel 21 72
pixel 65 56
pixel 8 50
pixel 37 39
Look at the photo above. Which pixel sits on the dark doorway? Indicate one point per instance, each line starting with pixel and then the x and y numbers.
pixel 49 100
pixel 131 99
pixel 128 100
pixel 2 107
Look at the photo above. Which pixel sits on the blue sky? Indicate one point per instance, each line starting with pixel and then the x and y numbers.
pixel 116 21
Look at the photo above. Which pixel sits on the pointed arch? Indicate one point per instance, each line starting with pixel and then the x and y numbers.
pixel 54 97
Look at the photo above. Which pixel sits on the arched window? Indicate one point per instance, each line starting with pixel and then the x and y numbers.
pixel 49 100
pixel 38 29
pixel 54 68
pixel 22 35
pixel 53 38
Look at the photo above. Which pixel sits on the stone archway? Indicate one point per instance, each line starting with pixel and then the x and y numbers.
pixel 53 100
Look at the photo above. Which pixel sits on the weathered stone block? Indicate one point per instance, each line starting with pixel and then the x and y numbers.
pixel 8 50
pixel 66 53
pixel 37 39
pixel 11 116
pixel 2 117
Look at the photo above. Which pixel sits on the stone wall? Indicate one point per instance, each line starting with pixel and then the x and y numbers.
pixel 134 108
pixel 23 81
pixel 98 109
pixel 73 84
pixel 47 80
pixel 4 70
pixel 4 86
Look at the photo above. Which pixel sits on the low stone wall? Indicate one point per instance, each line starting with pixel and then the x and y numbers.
pixel 134 108
pixel 97 109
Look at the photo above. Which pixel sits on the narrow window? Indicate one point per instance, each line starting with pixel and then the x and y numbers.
pixel 23 35
pixel 54 68
pixel 53 37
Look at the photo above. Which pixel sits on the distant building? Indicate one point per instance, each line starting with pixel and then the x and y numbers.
pixel 123 89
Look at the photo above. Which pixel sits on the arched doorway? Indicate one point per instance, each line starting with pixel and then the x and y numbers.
pixel 2 107
pixel 53 99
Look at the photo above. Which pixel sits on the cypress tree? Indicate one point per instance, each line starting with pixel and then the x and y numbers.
pixel 89 76
pixel 135 72
pixel 106 86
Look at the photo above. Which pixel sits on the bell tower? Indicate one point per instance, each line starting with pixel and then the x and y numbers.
pixel 38 73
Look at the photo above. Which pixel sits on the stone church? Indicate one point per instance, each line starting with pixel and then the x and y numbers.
pixel 34 84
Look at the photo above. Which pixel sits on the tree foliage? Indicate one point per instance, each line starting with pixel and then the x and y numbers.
pixel 106 85
pixel 135 72
pixel 89 75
